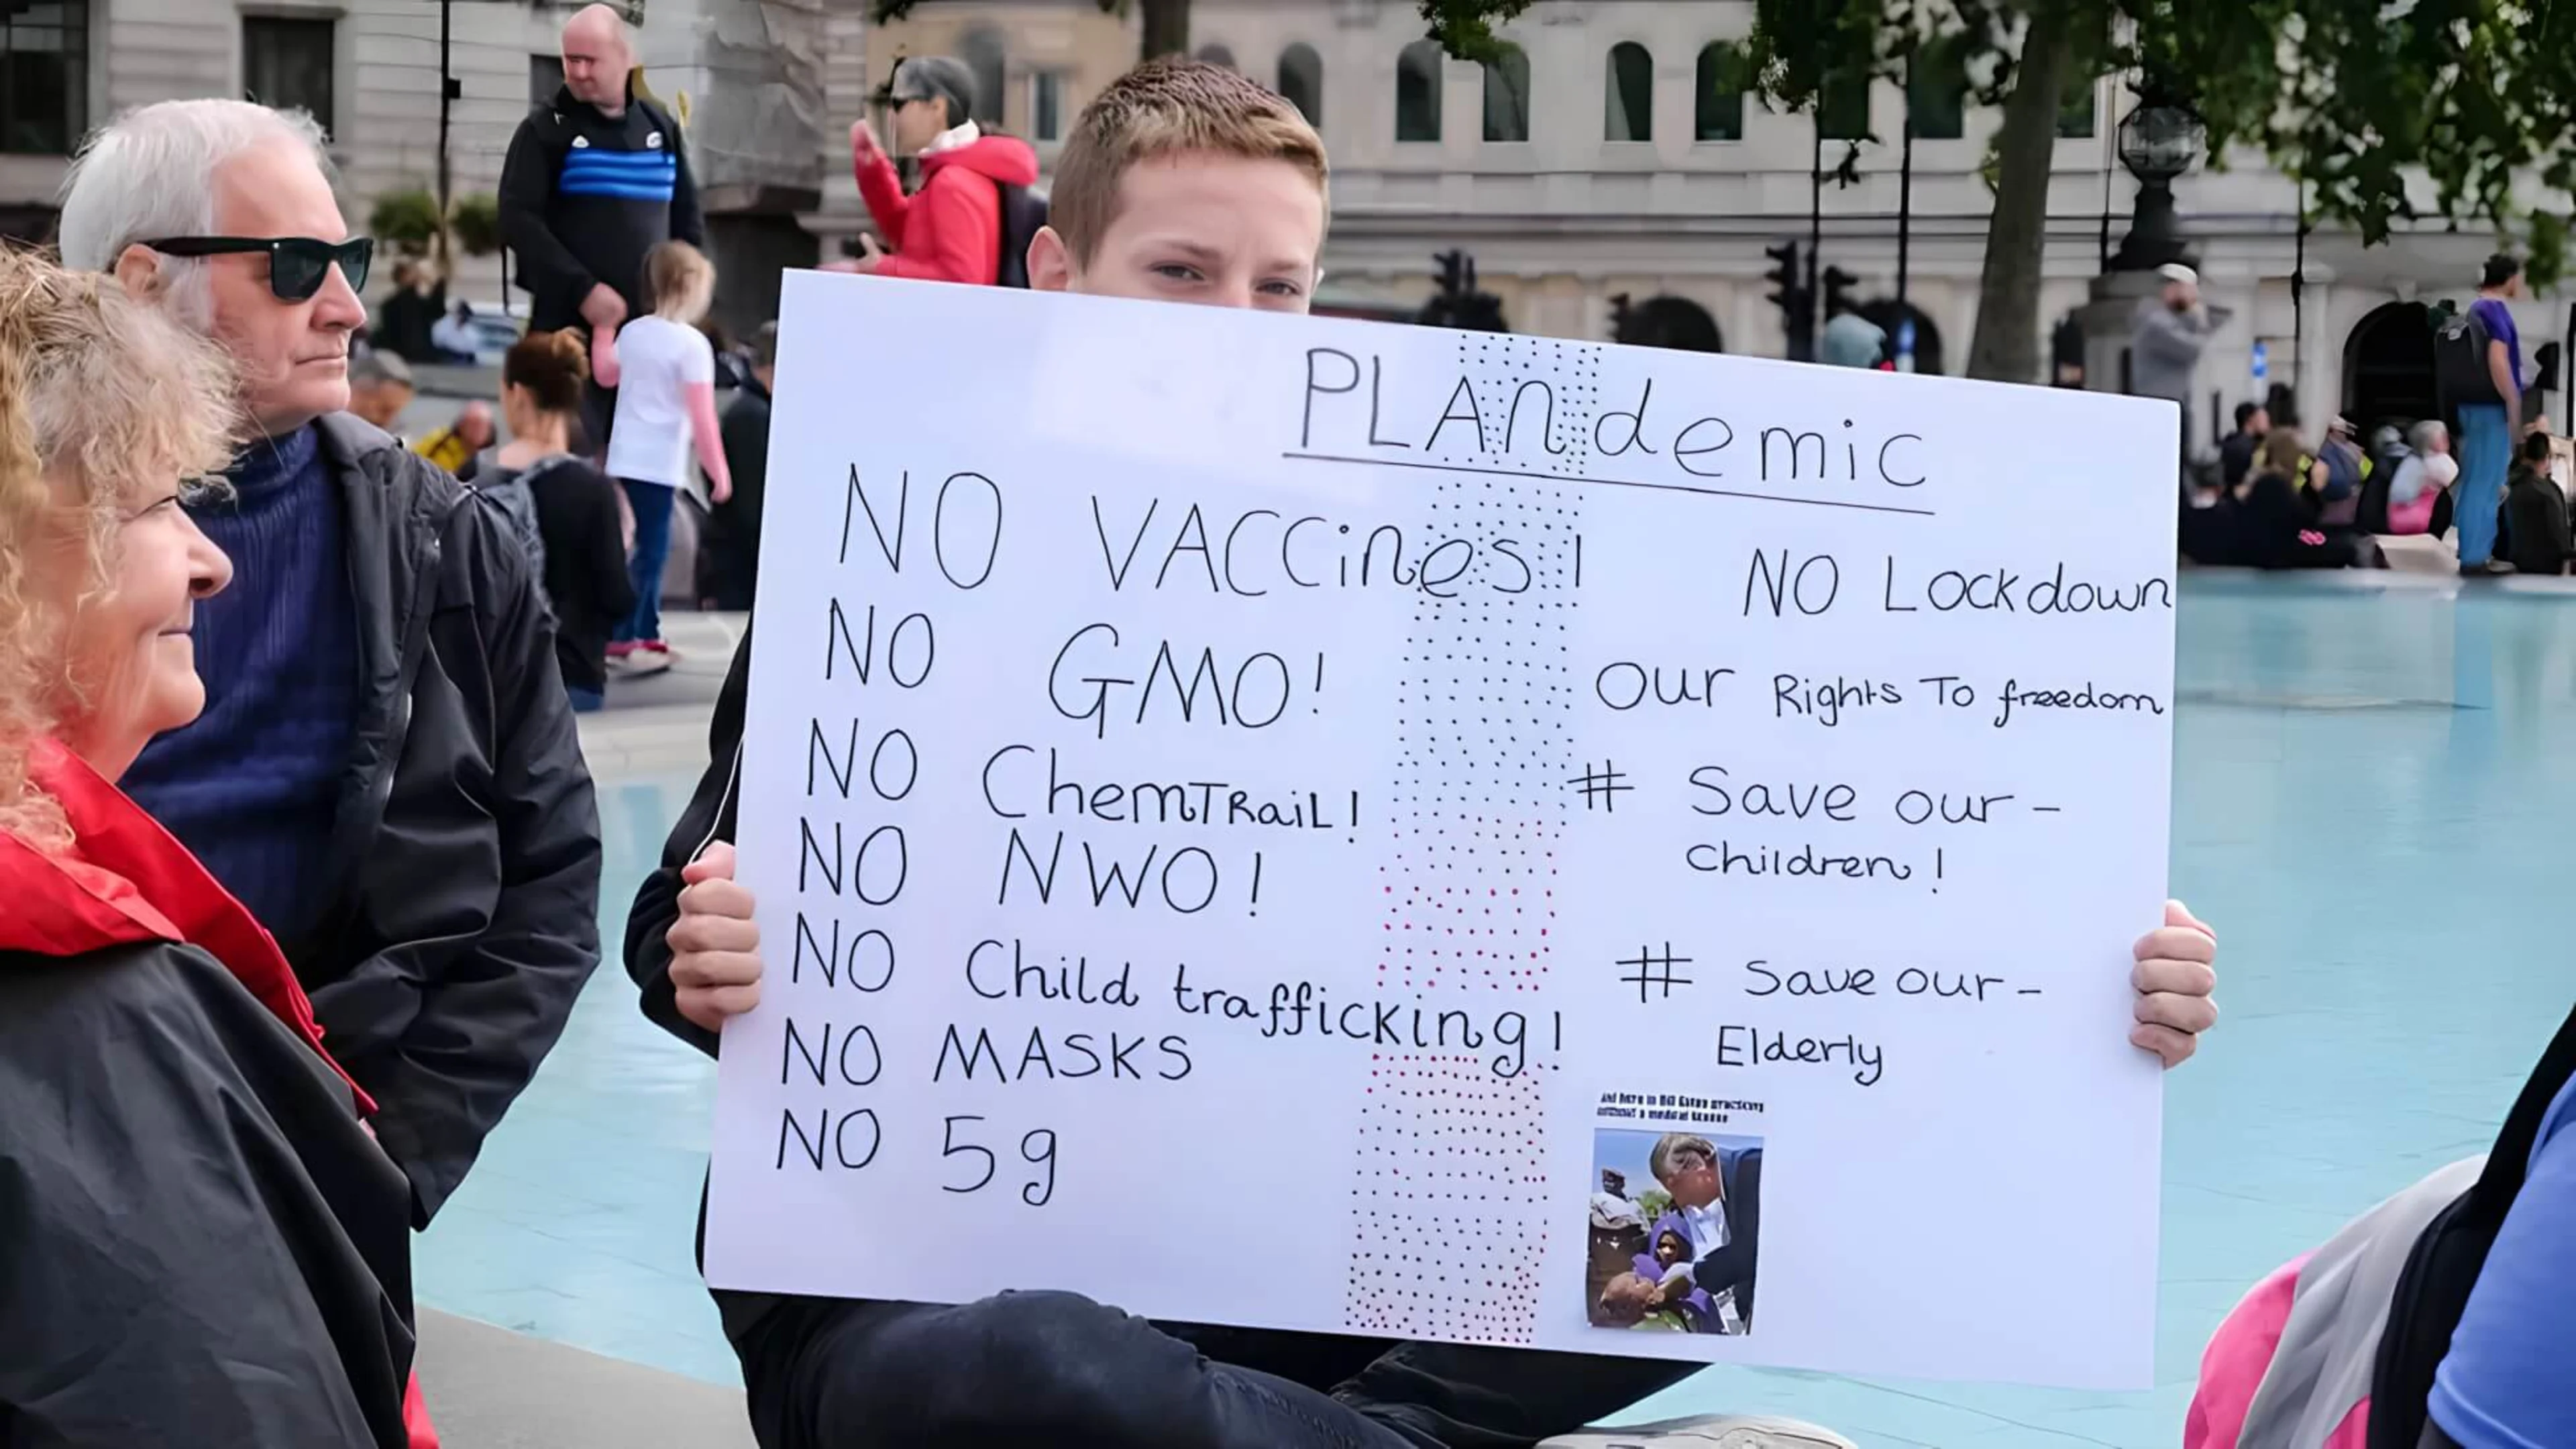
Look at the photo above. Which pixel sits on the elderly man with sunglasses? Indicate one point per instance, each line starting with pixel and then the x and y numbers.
pixel 386 771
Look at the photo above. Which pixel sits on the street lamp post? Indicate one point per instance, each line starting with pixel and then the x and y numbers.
pixel 2158 142
pixel 446 96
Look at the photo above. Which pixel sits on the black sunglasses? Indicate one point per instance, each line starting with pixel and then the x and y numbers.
pixel 296 264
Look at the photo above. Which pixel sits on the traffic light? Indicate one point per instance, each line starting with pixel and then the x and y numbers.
pixel 1457 275
pixel 1458 304
pixel 1797 303
pixel 1838 291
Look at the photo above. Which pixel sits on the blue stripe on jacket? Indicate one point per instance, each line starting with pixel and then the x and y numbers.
pixel 624 191
pixel 633 162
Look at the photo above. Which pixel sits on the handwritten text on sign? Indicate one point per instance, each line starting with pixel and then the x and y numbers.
pixel 1313 825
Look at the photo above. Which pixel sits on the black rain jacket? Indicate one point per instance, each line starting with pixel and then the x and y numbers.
pixel 465 918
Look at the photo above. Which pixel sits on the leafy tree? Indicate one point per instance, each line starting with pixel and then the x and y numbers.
pixel 2370 105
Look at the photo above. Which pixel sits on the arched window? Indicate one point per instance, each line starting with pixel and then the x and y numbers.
pixel 1301 81
pixel 1718 92
pixel 1842 107
pixel 1417 92
pixel 2075 118
pixel 1217 55
pixel 1507 95
pixel 1936 91
pixel 1674 322
pixel 1629 94
pixel 981 49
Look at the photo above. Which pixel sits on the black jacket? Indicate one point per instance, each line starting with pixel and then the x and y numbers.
pixel 708 817
pixel 766 1329
pixel 198 1244
pixel 403 321
pixel 1732 1266
pixel 2536 528
pixel 733 527
pixel 584 197
pixel 587 579
pixel 465 917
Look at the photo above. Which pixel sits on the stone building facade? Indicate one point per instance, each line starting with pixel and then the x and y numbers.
pixel 1615 154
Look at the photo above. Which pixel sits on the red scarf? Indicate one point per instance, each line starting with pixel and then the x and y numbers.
pixel 129 881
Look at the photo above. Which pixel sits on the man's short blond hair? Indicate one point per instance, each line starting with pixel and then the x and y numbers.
pixel 1167 105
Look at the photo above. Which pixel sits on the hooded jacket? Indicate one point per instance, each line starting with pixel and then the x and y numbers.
pixel 200 1242
pixel 951 229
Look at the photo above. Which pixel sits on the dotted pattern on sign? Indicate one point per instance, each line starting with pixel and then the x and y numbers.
pixel 1533 401
pixel 1450 1214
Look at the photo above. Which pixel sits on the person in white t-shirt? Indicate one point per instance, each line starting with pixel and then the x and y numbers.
pixel 666 423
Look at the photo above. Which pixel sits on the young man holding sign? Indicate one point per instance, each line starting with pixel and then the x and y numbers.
pixel 1182 182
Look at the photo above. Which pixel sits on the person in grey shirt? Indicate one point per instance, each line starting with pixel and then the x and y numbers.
pixel 2165 342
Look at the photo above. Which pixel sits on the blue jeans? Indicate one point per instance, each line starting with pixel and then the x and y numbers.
pixel 2486 451
pixel 652 504
pixel 586 701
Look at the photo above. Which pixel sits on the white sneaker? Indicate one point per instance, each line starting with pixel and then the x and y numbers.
pixel 638 665
pixel 1707 1431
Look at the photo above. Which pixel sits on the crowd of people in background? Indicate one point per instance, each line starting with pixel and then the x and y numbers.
pixel 2270 500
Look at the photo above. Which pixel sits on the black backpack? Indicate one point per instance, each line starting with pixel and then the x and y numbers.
pixel 1023 211
pixel 514 494
pixel 2433 1291
pixel 2460 359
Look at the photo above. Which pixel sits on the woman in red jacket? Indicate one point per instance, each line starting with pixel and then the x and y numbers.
pixel 201 1241
pixel 951 229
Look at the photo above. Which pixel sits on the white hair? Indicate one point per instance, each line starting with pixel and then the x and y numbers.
pixel 149 175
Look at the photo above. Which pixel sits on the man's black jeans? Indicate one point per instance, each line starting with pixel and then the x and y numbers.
pixel 1060 1370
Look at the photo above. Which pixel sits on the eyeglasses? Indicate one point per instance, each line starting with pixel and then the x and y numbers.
pixel 297 265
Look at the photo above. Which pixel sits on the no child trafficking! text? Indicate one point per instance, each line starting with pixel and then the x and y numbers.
pixel 995 970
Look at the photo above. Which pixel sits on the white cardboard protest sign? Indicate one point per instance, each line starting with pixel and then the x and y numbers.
pixel 1253 817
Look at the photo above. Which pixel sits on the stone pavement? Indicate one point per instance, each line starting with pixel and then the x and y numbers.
pixel 489 1388
pixel 657 725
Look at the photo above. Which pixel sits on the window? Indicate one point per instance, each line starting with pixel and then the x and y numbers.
pixel 1718 93
pixel 545 78
pixel 1842 108
pixel 1217 55
pixel 1417 92
pixel 1301 81
pixel 1629 94
pixel 2075 118
pixel 1046 106
pixel 981 49
pixel 287 64
pixel 1507 95
pixel 1936 91
pixel 44 77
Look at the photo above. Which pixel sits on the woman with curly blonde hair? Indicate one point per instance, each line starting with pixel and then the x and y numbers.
pixel 201 1241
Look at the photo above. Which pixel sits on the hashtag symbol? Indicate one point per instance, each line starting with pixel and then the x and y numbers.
pixel 1601 788
pixel 1649 962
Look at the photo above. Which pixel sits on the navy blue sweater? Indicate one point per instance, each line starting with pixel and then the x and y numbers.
pixel 253 785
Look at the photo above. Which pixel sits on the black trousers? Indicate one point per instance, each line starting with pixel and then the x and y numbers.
pixel 598 412
pixel 1060 1370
